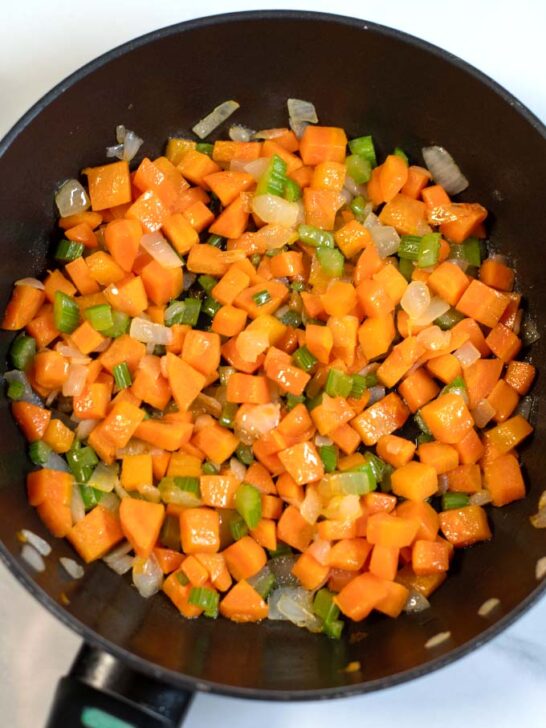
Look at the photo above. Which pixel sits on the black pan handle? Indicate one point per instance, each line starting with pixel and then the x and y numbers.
pixel 102 692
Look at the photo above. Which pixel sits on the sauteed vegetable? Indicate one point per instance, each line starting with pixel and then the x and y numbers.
pixel 271 376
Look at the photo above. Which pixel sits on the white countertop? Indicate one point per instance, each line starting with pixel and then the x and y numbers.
pixel 502 684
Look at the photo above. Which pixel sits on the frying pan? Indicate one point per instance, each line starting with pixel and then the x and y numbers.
pixel 141 661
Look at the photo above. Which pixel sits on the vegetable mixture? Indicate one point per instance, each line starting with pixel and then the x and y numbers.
pixel 270 376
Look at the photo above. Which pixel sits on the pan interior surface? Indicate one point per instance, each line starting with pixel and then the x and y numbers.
pixel 369 81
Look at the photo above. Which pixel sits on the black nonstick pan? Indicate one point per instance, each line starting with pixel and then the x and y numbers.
pixel 142 661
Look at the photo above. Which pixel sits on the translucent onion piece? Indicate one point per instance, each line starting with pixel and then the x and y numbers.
pixel 538 520
pixel 525 407
pixel 40 544
pixel 369 368
pixel 346 196
pixel 160 250
pixel 150 333
pixel 85 428
pixel 416 299
pixel 459 262
pixel 371 220
pixel 189 280
pixel 467 354
pixel 436 308
pixel 237 468
pixel 257 420
pixel 542 500
pixel 104 477
pixel 296 605
pixel 343 508
pixel 282 566
pixel 56 462
pixel 300 114
pixel 270 133
pixel 529 331
pixel 110 501
pixel 444 169
pixel 540 568
pixel 298 127
pixel 272 237
pixel 240 133
pixel 72 568
pixel 32 282
pixel 131 145
pixel 71 198
pixel 149 492
pixel 386 239
pixel 321 441
pixel 208 405
pixel 32 557
pixel 351 186
pixel 272 603
pixel 416 602
pixel 147 576
pixel 488 606
pixel 271 208
pixel 75 383
pixel 483 413
pixel 133 447
pixel 376 393
pixel 115 151
pixel 481 498
pixel 77 506
pixel 217 116
pixel 443 483
pixel 438 639
pixel 29 395
pixel 320 550
pixel 120 133
pixel 256 167
pixel 433 338
pixel 122 565
pixel 311 505
pixel 51 397
pixel 123 549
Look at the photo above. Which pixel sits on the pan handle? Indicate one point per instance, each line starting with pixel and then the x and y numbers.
pixel 102 692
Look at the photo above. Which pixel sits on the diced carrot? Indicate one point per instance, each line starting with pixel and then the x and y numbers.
pixel 58 436
pixel 54 486
pixel 141 523
pixel 357 599
pixel 109 185
pixel 352 238
pixel 243 604
pixel 445 367
pixel 270 147
pixel 128 296
pixel 448 418
pixel 374 299
pixel 302 462
pixel 418 389
pixel 464 217
pixel 392 281
pixel 480 379
pixel 509 434
pixel 218 443
pixel 122 238
pixel 92 403
pixel 42 327
pixel 400 360
pixel 309 572
pixel 289 490
pixel 323 144
pixel 194 570
pixel 103 268
pixel 321 207
pixel 79 272
pixel 449 282
pixel 96 534
pixel 50 369
pixel 520 376
pixel 424 515
pixel 482 303
pixel 82 233
pixel 389 530
pixel 503 399
pixel 32 419
pixel 199 530
pixel 86 338
pixel 470 448
pixel 349 554
pixel 168 559
pixel 465 526
pixel 394 601
pixel 93 219
pixel 503 342
pixel 393 176
pixel 497 275
pixel 382 418
pixel 218 491
pixel 504 480
pixel 418 178
pixel 376 335
pixel 369 262
pixel 185 381
pixel 441 456
pixel 395 450
pixel 265 534
pixel 136 470
pixel 415 481
pixel 465 479
pixel 406 214
pixel 244 558
pixel 384 561
pixel 23 306
pixel 123 349
pixel 54 282
pixel 293 529
pixel 271 507
pixel 179 594
pixel 121 422
pixel 430 557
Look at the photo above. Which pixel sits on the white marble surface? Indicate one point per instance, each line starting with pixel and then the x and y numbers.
pixel 503 684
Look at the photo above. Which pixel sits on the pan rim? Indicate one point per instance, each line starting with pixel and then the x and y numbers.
pixel 172 677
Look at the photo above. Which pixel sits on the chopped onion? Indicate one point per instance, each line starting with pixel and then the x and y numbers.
pixel 351 186
pixel 467 354
pixel 459 262
pixel 371 220
pixel 240 133
pixel 256 167
pixel 443 483
pixel 77 506
pixel 525 407
pixel 160 250
pixel 147 575
pixel 102 346
pixel 416 602
pixel 272 237
pixel 32 557
pixel 76 380
pixel 444 169
pixel 51 397
pixel 72 568
pixel 311 505
pixel 237 468
pixel 433 338
pixel 300 114
pixel 270 133
pixel 207 405
pixel 128 144
pixel 255 421
pixel 282 566
pixel 85 428
pixel 40 544
pixel 189 280
pixel 483 413
pixel 149 492
pixel 416 299
pixel 217 116
pixel 71 198
pixel 110 501
pixel 29 395
pixel 529 331
pixel 436 308
pixel 540 568
pixel 343 508
pixel 376 393
pixel 56 462
pixel 104 477
pixel 150 333
pixel 121 565
pixel 542 500
pixel 322 440
pixel 369 368
pixel 346 196
pixel 296 605
pixel 32 282
pixel 386 239
pixel 271 208
pixel 538 520
pixel 123 549
pixel 481 498
pixel 171 494
pixel 438 639
pixel 488 606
